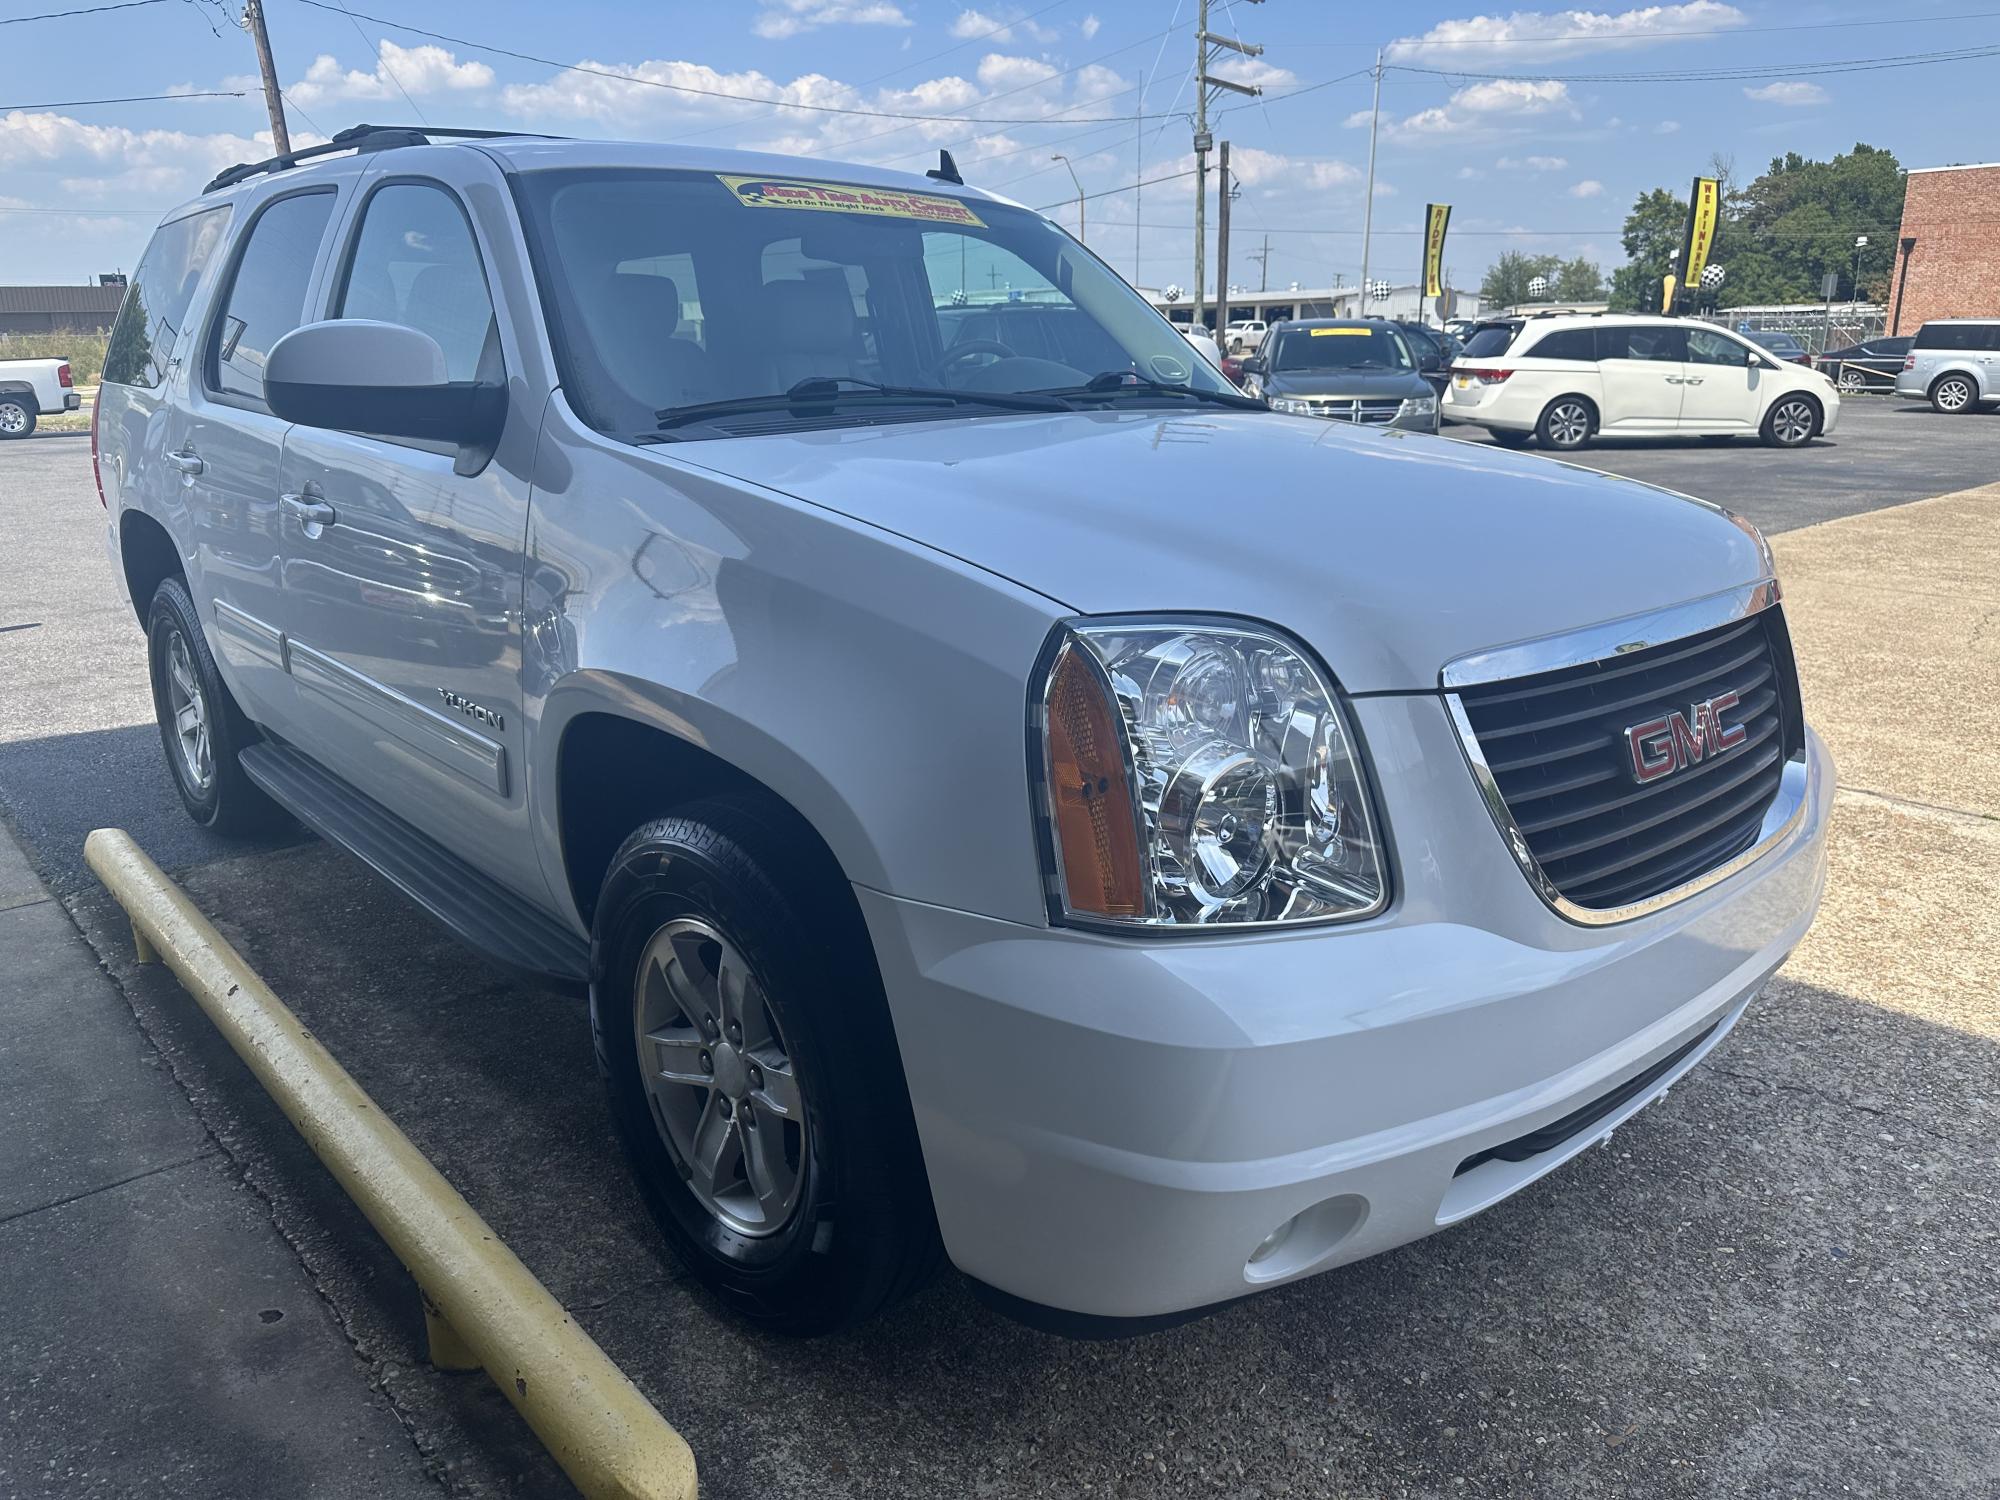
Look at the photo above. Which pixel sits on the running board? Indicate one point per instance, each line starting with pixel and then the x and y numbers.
pixel 479 910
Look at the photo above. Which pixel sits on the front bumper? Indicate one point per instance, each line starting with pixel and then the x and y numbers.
pixel 1113 1127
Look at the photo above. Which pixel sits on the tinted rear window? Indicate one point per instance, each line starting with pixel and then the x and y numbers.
pixel 155 306
pixel 267 300
pixel 1566 343
pixel 1959 336
pixel 1490 340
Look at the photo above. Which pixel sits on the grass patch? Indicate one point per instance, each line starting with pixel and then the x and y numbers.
pixel 84 351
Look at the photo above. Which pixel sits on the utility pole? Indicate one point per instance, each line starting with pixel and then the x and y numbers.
pixel 1222 250
pixel 1204 81
pixel 1368 207
pixel 253 22
pixel 1263 259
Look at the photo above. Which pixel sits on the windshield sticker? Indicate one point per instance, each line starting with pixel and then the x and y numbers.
pixel 833 197
pixel 1353 333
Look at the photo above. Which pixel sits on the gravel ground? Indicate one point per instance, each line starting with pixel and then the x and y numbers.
pixel 1780 1281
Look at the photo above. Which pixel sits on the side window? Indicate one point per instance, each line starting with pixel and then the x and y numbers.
pixel 1706 347
pixel 1569 343
pixel 415 263
pixel 1990 336
pixel 267 297
pixel 156 305
pixel 1644 341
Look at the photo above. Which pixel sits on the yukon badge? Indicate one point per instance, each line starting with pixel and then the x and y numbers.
pixel 472 710
pixel 1660 747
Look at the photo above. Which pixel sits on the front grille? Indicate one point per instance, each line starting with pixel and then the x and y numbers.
pixel 1374 410
pixel 1557 749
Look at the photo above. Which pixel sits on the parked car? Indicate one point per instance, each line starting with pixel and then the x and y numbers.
pixel 1954 364
pixel 1245 336
pixel 1074 821
pixel 1345 370
pixel 1565 381
pixel 1870 366
pixel 34 388
pixel 1783 345
pixel 1433 349
pixel 1204 341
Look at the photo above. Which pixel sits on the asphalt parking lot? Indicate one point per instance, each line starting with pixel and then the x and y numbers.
pixel 1780 1281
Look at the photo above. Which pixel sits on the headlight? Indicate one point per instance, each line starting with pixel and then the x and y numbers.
pixel 1199 773
pixel 1293 405
pixel 1419 406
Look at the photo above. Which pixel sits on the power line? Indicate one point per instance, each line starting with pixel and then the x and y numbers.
pixel 1720 75
pixel 688 88
pixel 132 99
pixel 381 61
pixel 92 10
pixel 1582 40
pixel 1114 192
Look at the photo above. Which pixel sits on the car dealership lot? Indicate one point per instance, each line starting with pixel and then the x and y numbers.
pixel 1777 1281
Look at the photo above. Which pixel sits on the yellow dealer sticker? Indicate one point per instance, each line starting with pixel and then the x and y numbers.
pixel 1327 333
pixel 841 198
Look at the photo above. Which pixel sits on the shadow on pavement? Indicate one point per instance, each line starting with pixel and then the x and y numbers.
pixel 1776 1281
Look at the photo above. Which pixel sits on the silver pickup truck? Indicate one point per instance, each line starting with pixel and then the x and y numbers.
pixel 33 388
pixel 1042 809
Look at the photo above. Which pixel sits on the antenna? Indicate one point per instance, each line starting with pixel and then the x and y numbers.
pixel 946 170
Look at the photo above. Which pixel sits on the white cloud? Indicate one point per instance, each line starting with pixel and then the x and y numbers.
pixel 1469 174
pixel 783 18
pixel 421 70
pixel 1276 172
pixel 1590 187
pixel 1532 163
pixel 1005 25
pixel 1533 36
pixel 1667 127
pixel 1089 27
pixel 998 70
pixel 1790 93
pixel 91 164
pixel 1477 110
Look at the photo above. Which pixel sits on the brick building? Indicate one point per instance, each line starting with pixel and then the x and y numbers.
pixel 1948 251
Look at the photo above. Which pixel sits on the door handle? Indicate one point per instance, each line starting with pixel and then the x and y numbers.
pixel 187 461
pixel 1675 380
pixel 1695 381
pixel 311 512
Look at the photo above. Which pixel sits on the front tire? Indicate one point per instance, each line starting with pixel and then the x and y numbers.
pixel 1852 381
pixel 1791 422
pixel 1567 424
pixel 201 728
pixel 1507 437
pixel 1954 395
pixel 753 1074
pixel 17 417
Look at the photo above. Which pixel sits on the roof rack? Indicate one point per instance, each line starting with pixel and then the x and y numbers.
pixel 358 139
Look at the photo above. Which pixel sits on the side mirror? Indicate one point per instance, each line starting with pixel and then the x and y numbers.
pixel 357 375
pixel 1253 364
pixel 1429 363
pixel 1750 358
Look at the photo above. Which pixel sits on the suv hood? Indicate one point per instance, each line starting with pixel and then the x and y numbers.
pixel 1391 553
pixel 1380 383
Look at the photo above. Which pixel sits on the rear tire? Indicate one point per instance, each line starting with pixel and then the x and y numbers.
pixel 1507 437
pixel 1791 422
pixel 1567 424
pixel 1852 381
pixel 1954 395
pixel 771 1136
pixel 17 417
pixel 201 728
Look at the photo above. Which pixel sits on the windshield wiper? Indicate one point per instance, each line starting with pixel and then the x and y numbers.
pixel 821 392
pixel 1113 383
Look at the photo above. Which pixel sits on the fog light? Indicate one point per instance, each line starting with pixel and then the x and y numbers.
pixel 1306 1239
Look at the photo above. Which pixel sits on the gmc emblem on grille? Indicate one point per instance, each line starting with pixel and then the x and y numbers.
pixel 1660 747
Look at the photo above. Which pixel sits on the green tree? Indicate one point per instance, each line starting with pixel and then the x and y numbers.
pixel 1506 283
pixel 1652 234
pixel 1579 280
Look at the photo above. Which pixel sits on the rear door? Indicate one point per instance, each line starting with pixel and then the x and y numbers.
pixel 227 444
pixel 403 558
pixel 1641 367
pixel 1721 391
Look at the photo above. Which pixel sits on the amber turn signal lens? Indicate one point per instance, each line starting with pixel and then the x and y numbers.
pixel 1097 833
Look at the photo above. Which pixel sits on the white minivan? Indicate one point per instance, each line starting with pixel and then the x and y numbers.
pixel 1568 379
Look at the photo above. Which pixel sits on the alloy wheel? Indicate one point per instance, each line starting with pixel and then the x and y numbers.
pixel 1792 423
pixel 1850 380
pixel 1953 395
pixel 13 418
pixel 724 1092
pixel 189 707
pixel 1569 425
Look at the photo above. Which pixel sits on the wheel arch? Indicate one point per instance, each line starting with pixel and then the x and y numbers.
pixel 1979 391
pixel 147 551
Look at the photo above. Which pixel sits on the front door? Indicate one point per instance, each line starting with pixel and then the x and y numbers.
pixel 1640 365
pixel 1720 388
pixel 227 447
pixel 403 561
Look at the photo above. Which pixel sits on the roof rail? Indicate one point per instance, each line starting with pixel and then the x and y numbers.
pixel 356 138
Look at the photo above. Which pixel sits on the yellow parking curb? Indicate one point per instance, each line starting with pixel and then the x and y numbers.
pixel 482 1307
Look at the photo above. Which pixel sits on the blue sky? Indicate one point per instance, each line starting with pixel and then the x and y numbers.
pixel 1542 160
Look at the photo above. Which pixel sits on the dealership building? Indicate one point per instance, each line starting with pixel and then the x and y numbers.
pixel 1948 250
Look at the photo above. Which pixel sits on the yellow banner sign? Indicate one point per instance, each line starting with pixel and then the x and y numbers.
pixel 844 198
pixel 1704 207
pixel 1437 217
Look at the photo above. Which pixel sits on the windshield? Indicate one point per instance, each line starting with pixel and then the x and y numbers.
pixel 1342 347
pixel 1490 340
pixel 675 289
